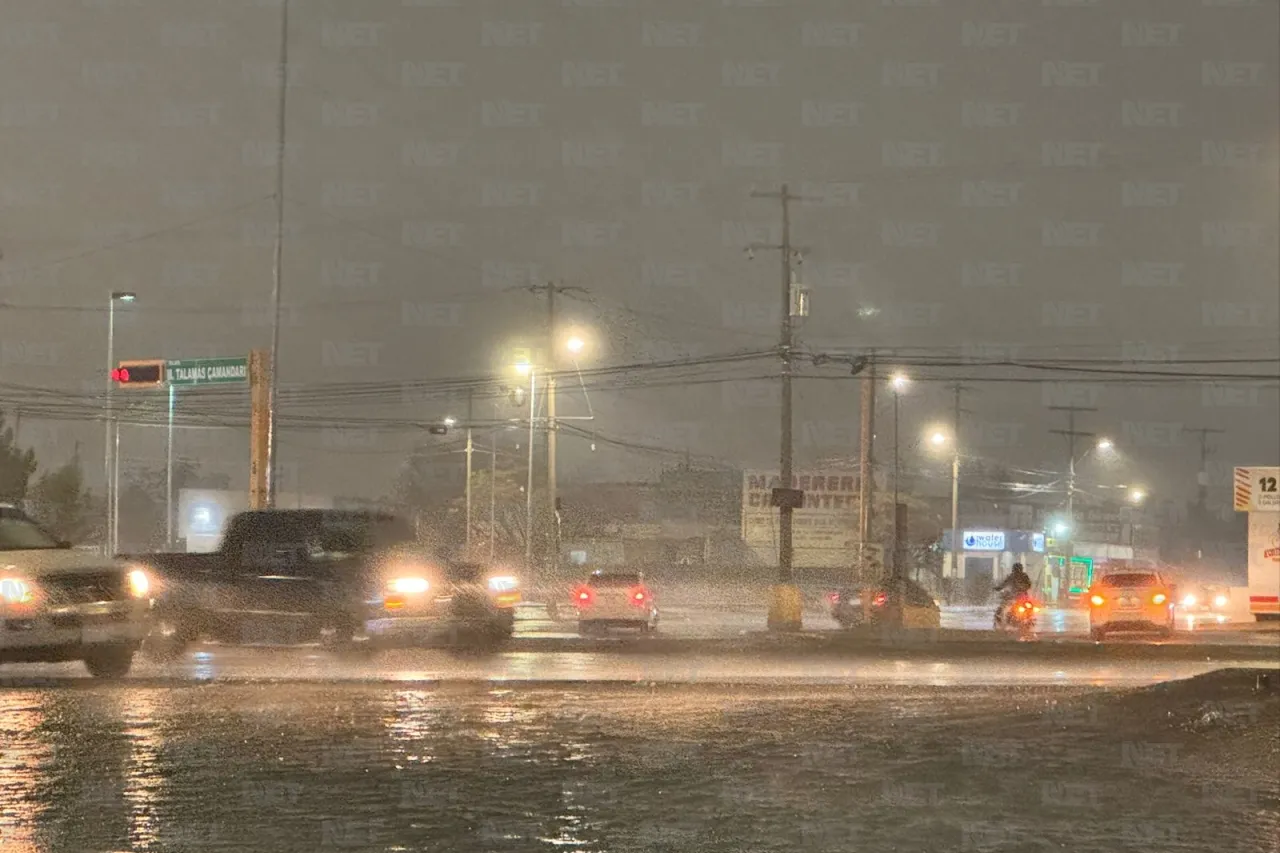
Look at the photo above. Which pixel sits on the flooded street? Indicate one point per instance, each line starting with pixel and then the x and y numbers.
pixel 606 767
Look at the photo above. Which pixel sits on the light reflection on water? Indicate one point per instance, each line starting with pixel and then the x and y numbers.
pixel 23 756
pixel 292 768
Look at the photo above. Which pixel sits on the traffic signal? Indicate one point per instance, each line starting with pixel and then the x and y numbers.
pixel 139 374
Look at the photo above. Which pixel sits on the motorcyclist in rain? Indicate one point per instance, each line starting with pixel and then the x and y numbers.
pixel 1017 583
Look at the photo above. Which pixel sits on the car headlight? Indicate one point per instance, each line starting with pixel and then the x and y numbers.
pixel 1188 601
pixel 409 586
pixel 503 583
pixel 1220 601
pixel 139 583
pixel 16 591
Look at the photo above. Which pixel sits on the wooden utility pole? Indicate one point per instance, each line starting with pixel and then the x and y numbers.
pixel 259 426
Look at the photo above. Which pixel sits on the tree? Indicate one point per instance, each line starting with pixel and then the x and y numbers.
pixel 62 503
pixel 16 466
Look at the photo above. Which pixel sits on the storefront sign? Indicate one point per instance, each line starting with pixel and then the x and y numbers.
pixel 984 540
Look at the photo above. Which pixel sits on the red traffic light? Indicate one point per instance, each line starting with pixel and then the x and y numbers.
pixel 139 373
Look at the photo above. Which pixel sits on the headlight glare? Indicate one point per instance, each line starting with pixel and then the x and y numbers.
pixel 409 586
pixel 16 591
pixel 139 583
pixel 503 583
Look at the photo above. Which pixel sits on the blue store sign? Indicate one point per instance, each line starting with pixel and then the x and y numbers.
pixel 984 540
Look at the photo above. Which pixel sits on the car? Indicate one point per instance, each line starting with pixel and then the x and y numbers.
pixel 615 600
pixel 349 580
pixel 919 608
pixel 1205 603
pixel 58 604
pixel 1131 602
pixel 433 599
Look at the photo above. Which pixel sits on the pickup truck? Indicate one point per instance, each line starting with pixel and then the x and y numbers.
pixel 349 580
pixel 58 604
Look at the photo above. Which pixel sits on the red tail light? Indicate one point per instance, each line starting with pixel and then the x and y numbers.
pixel 879 600
pixel 833 597
pixel 639 595
pixel 583 596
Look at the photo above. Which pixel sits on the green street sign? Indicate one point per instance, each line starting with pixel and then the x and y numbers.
pixel 207 371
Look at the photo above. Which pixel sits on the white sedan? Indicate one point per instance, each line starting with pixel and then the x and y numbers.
pixel 57 604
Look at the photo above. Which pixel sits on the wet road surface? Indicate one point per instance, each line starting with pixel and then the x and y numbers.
pixel 595 767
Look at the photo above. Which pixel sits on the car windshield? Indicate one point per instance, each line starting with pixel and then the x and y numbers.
pixel 18 533
pixel 614 580
pixel 1129 580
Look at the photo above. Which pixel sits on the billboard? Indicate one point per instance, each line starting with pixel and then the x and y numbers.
pixel 1264 563
pixel 824 532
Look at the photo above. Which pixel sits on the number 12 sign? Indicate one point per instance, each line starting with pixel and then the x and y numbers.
pixel 1257 490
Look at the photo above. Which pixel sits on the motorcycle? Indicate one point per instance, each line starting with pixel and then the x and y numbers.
pixel 1019 615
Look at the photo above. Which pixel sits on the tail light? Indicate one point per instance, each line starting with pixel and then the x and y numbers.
pixel 1097 600
pixel 583 596
pixel 638 595
pixel 833 597
pixel 393 602
pixel 879 600
pixel 1159 598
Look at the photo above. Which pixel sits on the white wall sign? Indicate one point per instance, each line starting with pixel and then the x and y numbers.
pixel 984 540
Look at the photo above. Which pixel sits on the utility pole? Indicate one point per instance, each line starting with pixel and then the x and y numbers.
pixel 785 608
pixel 866 456
pixel 273 366
pixel 552 289
pixel 1202 494
pixel 1072 434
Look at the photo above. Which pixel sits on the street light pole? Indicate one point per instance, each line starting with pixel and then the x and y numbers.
pixel 108 537
pixel 897 545
pixel 493 482
pixel 470 448
pixel 273 369
pixel 168 476
pixel 528 489
pixel 111 429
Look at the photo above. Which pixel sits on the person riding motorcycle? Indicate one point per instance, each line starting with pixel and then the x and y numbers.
pixel 1016 584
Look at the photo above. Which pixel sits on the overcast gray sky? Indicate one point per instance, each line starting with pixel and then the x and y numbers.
pixel 985 179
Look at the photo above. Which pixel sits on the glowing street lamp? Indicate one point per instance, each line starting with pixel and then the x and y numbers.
pixel 1106 444
pixel 938 438
pixel 1137 495
pixel 899 382
pixel 575 344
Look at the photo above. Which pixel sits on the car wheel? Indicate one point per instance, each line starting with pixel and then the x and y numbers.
pixel 168 639
pixel 1097 634
pixel 345 639
pixel 109 661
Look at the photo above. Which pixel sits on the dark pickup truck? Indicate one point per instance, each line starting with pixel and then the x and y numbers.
pixel 319 575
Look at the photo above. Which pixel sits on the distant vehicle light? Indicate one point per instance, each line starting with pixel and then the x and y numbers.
pixel 1158 598
pixel 1220 601
pixel 1189 601
pixel 1097 600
